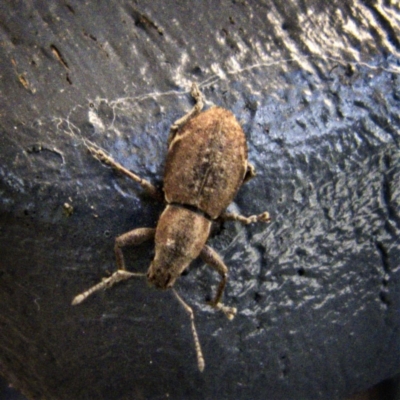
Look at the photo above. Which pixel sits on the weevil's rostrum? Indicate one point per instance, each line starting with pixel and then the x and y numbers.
pixel 205 167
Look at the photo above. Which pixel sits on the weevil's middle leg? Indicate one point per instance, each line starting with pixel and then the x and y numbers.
pixel 132 238
pixel 106 159
pixel 199 104
pixel 212 258
pixel 263 217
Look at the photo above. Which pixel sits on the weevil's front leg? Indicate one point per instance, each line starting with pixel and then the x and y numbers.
pixel 264 217
pixel 132 238
pixel 106 159
pixel 117 276
pixel 197 346
pixel 198 97
pixel 212 258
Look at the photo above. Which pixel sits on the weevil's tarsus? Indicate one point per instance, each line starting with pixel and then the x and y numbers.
pixel 117 276
pixel 230 312
pixel 197 346
pixel 108 160
pixel 264 217
pixel 199 104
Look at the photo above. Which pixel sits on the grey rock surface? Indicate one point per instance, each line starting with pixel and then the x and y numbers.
pixel 316 87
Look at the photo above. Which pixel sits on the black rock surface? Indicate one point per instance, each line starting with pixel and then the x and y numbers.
pixel 316 86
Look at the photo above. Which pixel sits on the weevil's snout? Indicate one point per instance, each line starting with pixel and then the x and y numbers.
pixel 160 277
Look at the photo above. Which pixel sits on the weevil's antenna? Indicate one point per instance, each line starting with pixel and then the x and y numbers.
pixel 117 276
pixel 199 353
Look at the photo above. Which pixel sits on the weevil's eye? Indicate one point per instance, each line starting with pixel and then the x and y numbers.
pixel 168 279
pixel 160 277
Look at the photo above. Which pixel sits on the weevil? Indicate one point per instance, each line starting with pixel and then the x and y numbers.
pixel 205 167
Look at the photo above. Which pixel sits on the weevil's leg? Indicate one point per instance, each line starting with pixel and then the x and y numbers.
pixel 264 217
pixel 106 159
pixel 198 98
pixel 212 258
pixel 199 353
pixel 117 276
pixel 132 238
pixel 250 173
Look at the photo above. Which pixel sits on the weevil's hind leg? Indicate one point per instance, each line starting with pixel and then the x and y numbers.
pixel 211 257
pixel 199 353
pixel 199 104
pixel 132 238
pixel 263 217
pixel 250 173
pixel 106 159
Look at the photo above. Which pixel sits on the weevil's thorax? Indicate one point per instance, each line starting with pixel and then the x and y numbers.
pixel 180 236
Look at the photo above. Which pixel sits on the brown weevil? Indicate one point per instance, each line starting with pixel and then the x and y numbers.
pixel 205 167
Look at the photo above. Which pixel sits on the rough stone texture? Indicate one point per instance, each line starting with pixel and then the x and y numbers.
pixel 316 86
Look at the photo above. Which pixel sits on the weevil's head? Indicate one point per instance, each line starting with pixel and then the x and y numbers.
pixel 161 275
pixel 180 236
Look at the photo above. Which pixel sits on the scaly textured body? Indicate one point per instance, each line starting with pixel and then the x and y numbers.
pixel 205 167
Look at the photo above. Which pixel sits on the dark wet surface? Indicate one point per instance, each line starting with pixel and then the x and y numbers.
pixel 316 88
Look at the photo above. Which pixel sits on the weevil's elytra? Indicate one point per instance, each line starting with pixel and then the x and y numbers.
pixel 209 177
pixel 205 167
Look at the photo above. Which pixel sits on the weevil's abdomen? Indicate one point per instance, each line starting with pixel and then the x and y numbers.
pixel 206 162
